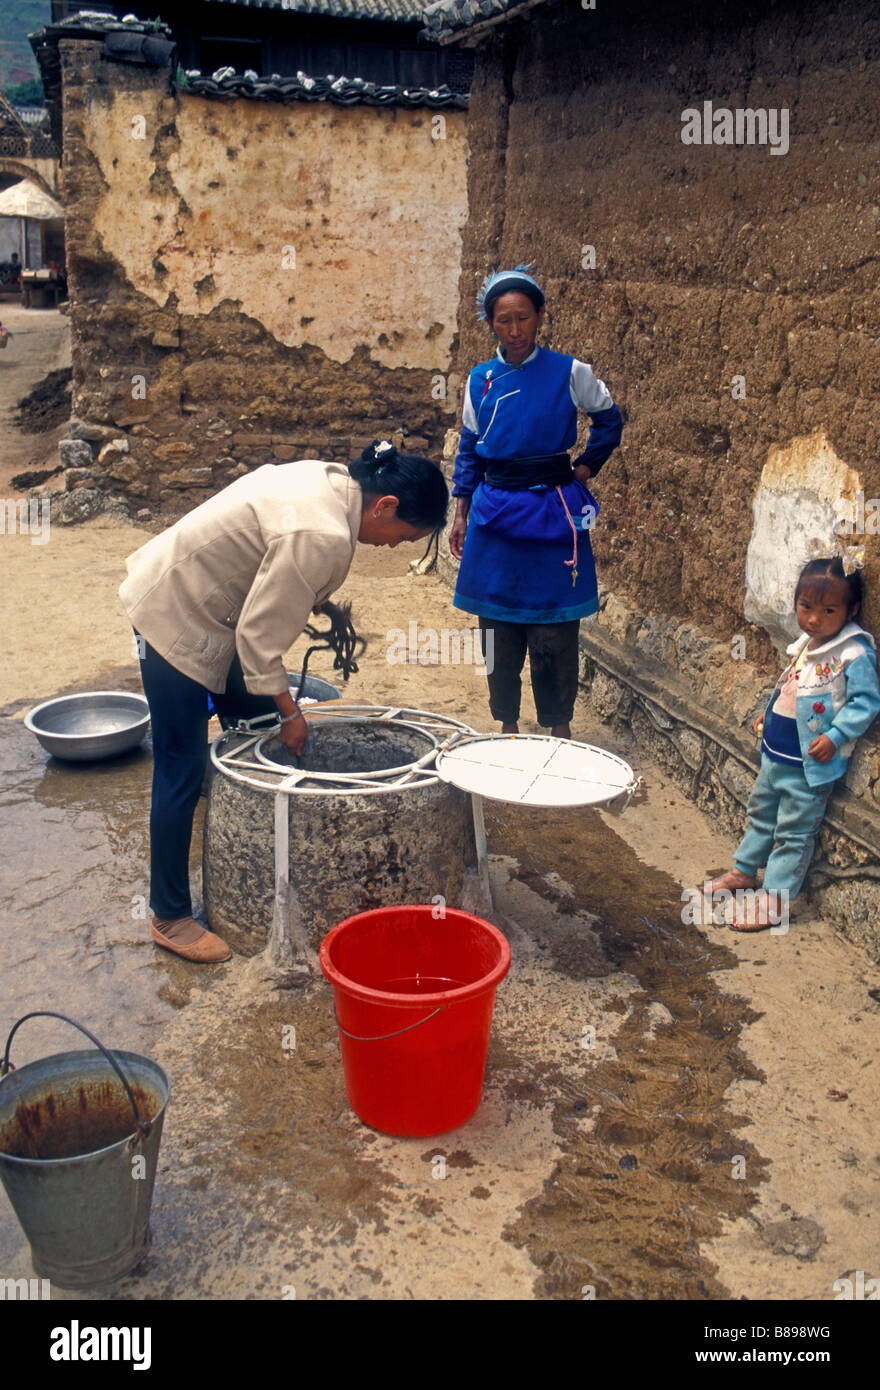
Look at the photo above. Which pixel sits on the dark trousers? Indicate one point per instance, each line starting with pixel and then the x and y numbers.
pixel 553 662
pixel 179 721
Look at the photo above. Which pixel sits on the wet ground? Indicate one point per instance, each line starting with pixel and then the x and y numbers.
pixel 608 1158
pixel 645 1180
pixel 611 1053
pixel 670 1111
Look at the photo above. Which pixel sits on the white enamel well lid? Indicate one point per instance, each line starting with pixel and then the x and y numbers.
pixel 535 770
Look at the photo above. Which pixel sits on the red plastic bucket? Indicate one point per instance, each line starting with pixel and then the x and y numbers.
pixel 414 996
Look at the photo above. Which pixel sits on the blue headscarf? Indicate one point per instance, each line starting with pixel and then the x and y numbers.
pixel 499 282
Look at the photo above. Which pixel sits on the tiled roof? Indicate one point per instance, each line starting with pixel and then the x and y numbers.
pixel 340 91
pixel 30 115
pixel 445 18
pixel 11 125
pixel 43 146
pixel 86 22
pixel 136 41
pixel 397 11
pixel 20 139
pixel 393 11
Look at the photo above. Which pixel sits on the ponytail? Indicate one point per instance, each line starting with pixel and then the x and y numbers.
pixel 417 483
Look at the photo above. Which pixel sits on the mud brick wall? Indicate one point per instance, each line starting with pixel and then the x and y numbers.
pixel 714 267
pixel 711 261
pixel 249 281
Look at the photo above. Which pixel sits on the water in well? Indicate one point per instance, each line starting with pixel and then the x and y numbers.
pixel 352 747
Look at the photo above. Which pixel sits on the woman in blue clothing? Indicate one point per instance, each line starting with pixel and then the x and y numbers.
pixel 524 512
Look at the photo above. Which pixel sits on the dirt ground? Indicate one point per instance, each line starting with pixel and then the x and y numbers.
pixel 721 1139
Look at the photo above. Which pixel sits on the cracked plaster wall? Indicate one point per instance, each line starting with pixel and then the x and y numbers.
pixel 250 281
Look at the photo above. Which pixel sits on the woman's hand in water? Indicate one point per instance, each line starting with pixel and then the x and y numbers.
pixel 294 735
pixel 295 730
pixel 822 749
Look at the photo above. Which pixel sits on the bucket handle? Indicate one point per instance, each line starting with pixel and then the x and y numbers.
pixel 142 1126
pixel 384 1036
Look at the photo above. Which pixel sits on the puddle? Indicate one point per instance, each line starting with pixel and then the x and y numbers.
pixel 73 897
pixel 74 864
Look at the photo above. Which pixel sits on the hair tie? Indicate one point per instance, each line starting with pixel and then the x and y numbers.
pixel 374 452
pixel 384 447
pixel 852 557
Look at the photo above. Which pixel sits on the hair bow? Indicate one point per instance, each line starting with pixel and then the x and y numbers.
pixel 852 557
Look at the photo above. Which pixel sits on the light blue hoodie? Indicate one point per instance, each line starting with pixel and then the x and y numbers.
pixel 838 695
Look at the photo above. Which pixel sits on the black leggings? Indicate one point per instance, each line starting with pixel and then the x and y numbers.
pixel 179 720
pixel 553 662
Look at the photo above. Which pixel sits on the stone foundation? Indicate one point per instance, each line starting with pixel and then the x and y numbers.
pixel 106 470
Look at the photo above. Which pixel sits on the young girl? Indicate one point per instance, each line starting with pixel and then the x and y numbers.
pixel 824 700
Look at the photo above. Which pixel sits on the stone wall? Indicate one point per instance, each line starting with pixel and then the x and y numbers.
pixel 250 281
pixel 728 295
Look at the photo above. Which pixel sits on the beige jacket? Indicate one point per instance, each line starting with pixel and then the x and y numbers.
pixel 244 570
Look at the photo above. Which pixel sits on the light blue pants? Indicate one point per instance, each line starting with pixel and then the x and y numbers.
pixel 784 817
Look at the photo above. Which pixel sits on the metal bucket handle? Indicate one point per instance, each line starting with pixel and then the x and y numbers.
pixel 383 1037
pixel 142 1127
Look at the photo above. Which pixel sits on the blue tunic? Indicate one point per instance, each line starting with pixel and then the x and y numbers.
pixel 514 566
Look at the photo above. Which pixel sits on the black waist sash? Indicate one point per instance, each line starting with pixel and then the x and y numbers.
pixel 516 475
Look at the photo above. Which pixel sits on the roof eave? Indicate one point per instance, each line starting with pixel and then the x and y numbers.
pixel 469 35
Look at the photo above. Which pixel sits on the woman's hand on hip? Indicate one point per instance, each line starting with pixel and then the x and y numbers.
pixel 583 473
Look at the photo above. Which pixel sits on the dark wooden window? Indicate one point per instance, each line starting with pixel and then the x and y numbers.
pixel 239 53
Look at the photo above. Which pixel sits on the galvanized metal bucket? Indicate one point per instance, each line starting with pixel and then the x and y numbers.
pixel 79 1146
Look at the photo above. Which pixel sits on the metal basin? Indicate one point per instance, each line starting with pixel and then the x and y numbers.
pixel 315 688
pixel 98 724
